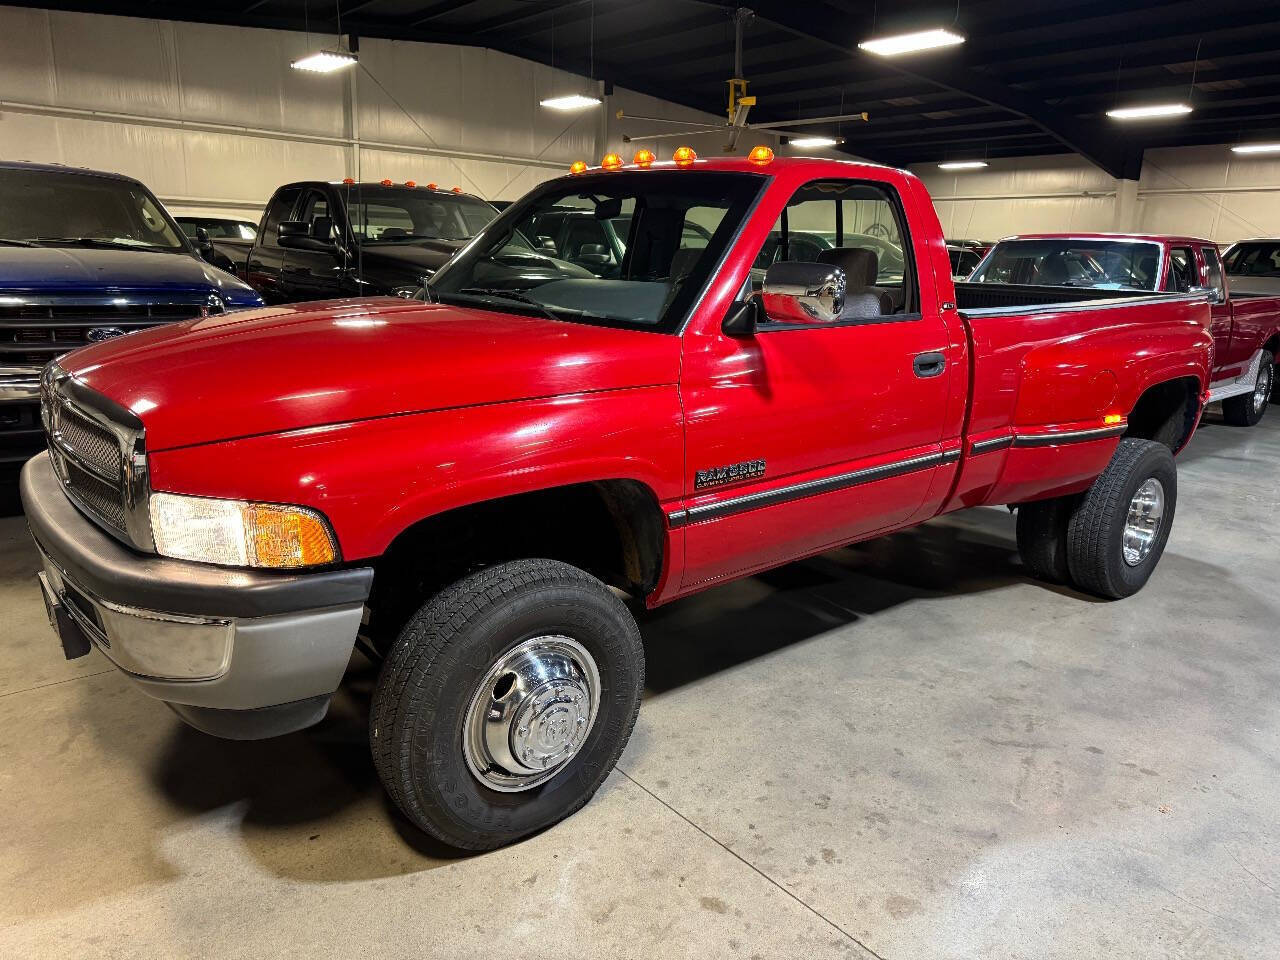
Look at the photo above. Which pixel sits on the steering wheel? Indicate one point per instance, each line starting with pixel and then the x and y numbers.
pixel 877 230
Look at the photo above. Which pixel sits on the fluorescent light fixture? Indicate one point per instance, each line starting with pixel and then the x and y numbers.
pixel 1257 148
pixel 813 142
pixel 325 61
pixel 962 165
pixel 1149 111
pixel 911 42
pixel 574 101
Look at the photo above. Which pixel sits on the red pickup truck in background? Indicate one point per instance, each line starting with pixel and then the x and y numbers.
pixel 468 484
pixel 1246 320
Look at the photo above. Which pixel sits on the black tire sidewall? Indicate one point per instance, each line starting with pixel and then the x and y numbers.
pixel 1157 462
pixel 439 775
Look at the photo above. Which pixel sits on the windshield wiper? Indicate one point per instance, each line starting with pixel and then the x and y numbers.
pixel 514 295
pixel 8 242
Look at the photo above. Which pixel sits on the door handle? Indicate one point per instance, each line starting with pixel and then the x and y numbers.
pixel 929 364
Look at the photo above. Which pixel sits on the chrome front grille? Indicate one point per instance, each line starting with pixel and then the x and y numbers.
pixel 98 452
pixel 35 329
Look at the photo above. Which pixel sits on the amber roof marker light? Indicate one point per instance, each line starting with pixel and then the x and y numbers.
pixel 684 156
pixel 761 155
pixel 611 161
pixel 643 158
pixel 577 167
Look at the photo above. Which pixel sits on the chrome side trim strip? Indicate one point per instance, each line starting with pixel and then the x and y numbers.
pixel 1073 306
pixel 990 444
pixel 809 488
pixel 1070 436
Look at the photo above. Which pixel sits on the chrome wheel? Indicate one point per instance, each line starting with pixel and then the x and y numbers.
pixel 1142 524
pixel 1262 392
pixel 531 713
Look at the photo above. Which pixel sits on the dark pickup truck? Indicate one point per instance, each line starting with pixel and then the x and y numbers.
pixel 318 240
pixel 86 256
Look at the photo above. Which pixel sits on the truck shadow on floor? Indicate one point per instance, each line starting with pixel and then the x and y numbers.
pixel 310 782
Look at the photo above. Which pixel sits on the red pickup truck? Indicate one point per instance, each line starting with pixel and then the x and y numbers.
pixel 1246 323
pixel 469 487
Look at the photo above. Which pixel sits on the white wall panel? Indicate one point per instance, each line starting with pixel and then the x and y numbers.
pixel 215 114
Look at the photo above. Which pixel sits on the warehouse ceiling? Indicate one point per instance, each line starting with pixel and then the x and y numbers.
pixel 1032 78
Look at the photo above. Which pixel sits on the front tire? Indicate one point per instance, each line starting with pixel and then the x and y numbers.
pixel 505 702
pixel 1118 532
pixel 1248 408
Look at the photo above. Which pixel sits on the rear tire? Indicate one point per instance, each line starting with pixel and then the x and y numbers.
pixel 1042 538
pixel 1247 409
pixel 1118 532
pixel 469 657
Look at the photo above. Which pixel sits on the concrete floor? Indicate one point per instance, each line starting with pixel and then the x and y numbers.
pixel 904 750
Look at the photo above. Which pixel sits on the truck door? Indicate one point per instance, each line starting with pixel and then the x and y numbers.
pixel 319 273
pixel 1222 310
pixel 264 268
pixel 800 438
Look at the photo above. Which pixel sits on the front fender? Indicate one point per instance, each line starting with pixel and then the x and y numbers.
pixel 375 478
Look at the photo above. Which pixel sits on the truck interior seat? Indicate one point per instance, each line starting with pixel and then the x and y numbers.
pixel 861 269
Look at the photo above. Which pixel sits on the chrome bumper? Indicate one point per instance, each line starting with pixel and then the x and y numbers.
pixel 19 384
pixel 237 653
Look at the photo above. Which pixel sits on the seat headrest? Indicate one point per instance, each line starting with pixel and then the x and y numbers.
pixel 861 266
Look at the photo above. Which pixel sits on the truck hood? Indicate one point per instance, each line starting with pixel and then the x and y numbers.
pixel 81 270
pixel 304 365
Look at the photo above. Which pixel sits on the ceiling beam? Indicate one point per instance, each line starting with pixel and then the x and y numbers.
pixel 819 22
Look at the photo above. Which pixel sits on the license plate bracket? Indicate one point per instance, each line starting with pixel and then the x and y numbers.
pixel 75 643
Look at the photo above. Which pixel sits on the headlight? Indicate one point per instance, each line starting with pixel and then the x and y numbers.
pixel 240 534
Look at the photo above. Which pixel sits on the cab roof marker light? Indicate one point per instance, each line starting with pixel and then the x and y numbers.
pixel 325 61
pixel 347 181
pixel 456 189
pixel 643 158
pixel 760 155
pixel 684 156
pixel 433 186
pixel 385 183
pixel 901 43
pixel 1149 112
pixel 577 167
pixel 611 161
pixel 410 183
pixel 573 101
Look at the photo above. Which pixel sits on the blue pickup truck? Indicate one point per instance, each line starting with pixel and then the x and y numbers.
pixel 86 256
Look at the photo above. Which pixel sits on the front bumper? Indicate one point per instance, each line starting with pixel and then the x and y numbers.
pixel 237 653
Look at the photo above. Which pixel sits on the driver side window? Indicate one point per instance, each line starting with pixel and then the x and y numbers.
pixel 858 226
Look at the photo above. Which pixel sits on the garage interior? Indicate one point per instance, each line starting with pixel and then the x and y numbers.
pixel 905 748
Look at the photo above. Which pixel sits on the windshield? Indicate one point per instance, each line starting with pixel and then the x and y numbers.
pixel 622 249
pixel 51 209
pixel 387 215
pixel 1108 264
pixel 1259 258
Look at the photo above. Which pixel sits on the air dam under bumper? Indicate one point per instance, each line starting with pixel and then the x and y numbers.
pixel 243 654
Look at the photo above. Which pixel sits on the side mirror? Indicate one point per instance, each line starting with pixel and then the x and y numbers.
pixel 593 253
pixel 202 237
pixel 742 319
pixel 546 243
pixel 296 235
pixel 1213 293
pixel 803 293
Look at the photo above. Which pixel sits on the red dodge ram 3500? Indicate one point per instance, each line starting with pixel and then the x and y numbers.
pixel 470 483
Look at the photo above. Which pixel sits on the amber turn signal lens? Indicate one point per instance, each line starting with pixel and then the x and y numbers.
pixel 410 183
pixel 684 156
pixel 611 161
pixel 1112 418
pixel 760 155
pixel 643 158
pixel 577 167
pixel 433 186
pixel 287 537
pixel 386 183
